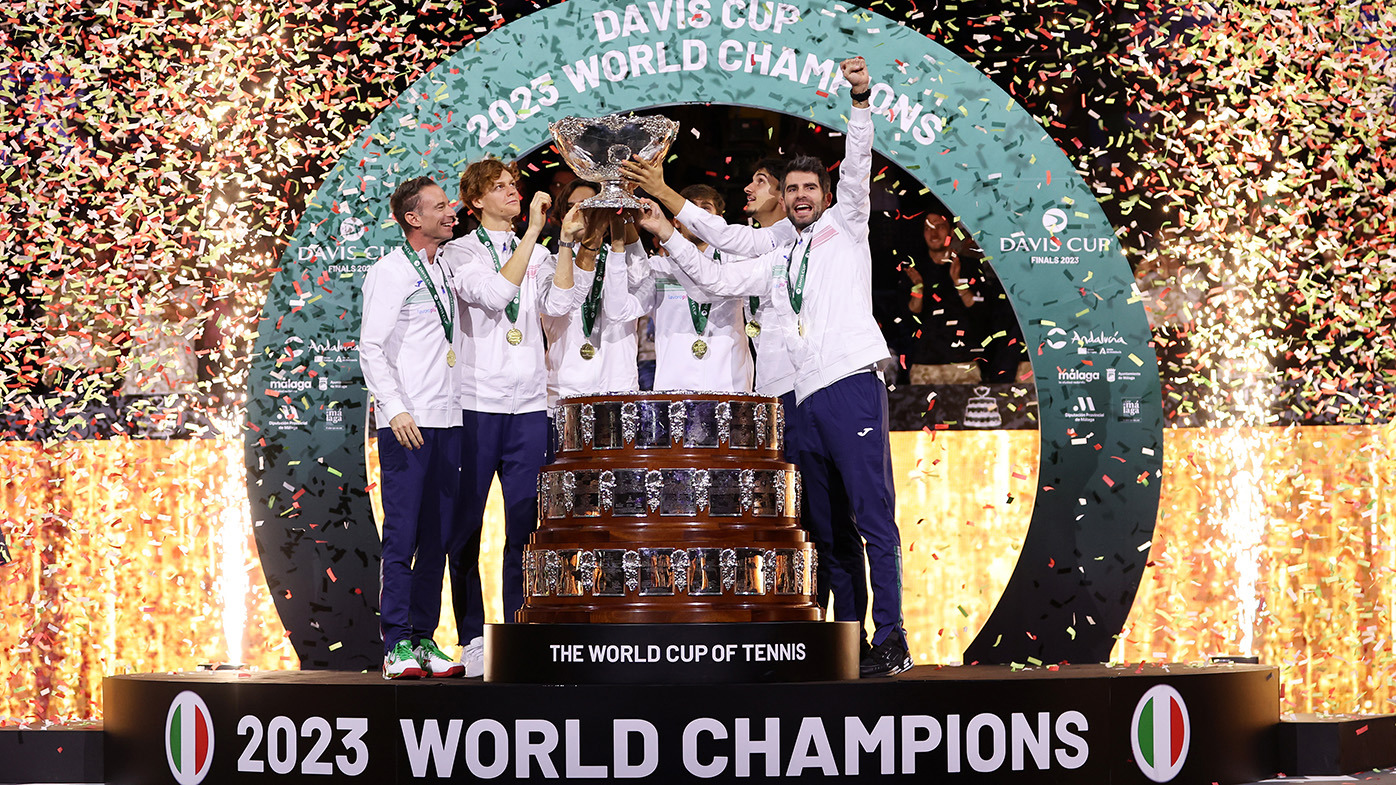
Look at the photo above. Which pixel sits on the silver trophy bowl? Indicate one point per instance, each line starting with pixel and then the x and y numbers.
pixel 595 147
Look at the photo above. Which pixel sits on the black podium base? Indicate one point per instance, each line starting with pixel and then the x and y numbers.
pixel 989 724
pixel 746 652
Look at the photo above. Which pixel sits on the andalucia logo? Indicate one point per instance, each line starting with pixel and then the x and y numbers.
pixel 1160 733
pixel 189 739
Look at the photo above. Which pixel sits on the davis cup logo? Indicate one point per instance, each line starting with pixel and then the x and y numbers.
pixel 1054 220
pixel 351 229
pixel 1160 733
pixel 189 739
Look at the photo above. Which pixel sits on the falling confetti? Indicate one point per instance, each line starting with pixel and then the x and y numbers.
pixel 155 160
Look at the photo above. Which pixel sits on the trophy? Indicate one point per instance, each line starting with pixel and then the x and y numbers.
pixel 671 507
pixel 595 147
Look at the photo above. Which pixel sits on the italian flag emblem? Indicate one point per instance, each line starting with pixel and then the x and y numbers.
pixel 1160 733
pixel 189 738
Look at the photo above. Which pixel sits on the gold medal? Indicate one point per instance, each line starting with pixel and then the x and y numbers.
pixel 802 329
pixel 700 348
pixel 753 329
pixel 514 336
pixel 451 357
pixel 588 351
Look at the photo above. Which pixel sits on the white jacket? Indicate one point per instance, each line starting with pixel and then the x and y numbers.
pixel 613 367
pixel 841 336
pixel 726 365
pixel 775 363
pixel 496 376
pixel 402 345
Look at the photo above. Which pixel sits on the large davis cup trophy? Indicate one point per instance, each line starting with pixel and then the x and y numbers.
pixel 669 547
pixel 595 147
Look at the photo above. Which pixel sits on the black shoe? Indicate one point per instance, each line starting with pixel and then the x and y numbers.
pixel 887 658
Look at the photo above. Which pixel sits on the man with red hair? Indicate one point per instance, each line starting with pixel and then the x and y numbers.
pixel 506 284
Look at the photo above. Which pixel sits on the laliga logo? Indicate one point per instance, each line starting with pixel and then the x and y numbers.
pixel 1160 733
pixel 1054 220
pixel 189 739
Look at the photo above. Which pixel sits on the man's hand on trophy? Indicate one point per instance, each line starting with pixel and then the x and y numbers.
pixel 649 176
pixel 653 220
pixel 616 228
pixel 573 225
pixel 630 216
pixel 596 222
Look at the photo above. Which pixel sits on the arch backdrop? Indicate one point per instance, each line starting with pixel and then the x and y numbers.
pixel 947 125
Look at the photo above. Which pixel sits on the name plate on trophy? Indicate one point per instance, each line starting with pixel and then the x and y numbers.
pixel 698 493
pixel 668 572
pixel 736 425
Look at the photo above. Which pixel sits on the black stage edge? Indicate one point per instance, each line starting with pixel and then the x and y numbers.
pixel 750 652
pixel 58 753
pixel 973 724
pixel 1314 744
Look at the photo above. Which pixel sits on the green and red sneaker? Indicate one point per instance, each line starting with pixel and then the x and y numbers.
pixel 401 662
pixel 435 661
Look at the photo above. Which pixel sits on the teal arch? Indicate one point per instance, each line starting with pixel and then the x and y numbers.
pixel 946 124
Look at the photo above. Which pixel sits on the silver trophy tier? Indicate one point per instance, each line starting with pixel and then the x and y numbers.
pixel 595 147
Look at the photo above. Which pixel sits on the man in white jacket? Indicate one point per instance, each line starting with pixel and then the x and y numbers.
pixel 842 403
pixel 594 347
pixel 773 328
pixel 700 341
pixel 506 285
pixel 770 328
pixel 408 341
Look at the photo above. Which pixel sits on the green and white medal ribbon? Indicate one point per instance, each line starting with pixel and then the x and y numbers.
pixel 592 304
pixel 699 314
pixel 448 322
pixel 515 335
pixel 797 287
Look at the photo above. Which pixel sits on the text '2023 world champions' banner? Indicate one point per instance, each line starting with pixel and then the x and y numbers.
pixel 943 122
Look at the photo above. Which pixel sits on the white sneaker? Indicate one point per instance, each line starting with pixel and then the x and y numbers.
pixel 474 658
pixel 435 661
pixel 401 663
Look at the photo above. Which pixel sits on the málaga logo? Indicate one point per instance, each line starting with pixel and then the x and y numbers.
pixel 1160 733
pixel 189 739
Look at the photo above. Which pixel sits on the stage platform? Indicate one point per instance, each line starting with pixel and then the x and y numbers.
pixel 993 724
